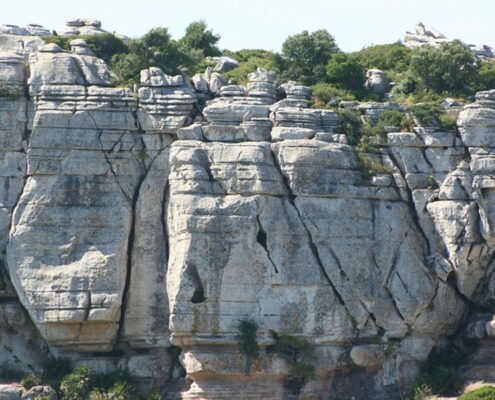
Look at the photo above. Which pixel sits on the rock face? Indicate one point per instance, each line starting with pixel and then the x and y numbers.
pixel 377 81
pixel 427 35
pixel 138 231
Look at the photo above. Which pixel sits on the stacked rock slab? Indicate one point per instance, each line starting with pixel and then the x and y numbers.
pixel 90 201
pixel 229 206
pixel 81 26
pixel 75 209
pixel 165 102
pixel 239 113
pixel 338 275
pixel 20 344
pixel 118 239
pixel 428 36
pixel 463 205
pixel 292 119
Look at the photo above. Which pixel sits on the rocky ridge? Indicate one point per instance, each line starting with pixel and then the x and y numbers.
pixel 427 35
pixel 139 228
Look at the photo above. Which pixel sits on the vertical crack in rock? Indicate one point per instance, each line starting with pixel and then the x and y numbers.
pixel 410 201
pixel 261 238
pixel 26 136
pixel 163 218
pixel 133 203
pixel 314 248
pixel 385 283
pixel 114 174
pixel 208 162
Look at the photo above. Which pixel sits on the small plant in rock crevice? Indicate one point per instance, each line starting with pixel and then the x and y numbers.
pixel 298 353
pixel 482 393
pixel 30 381
pixel 439 376
pixel 246 337
pixel 11 92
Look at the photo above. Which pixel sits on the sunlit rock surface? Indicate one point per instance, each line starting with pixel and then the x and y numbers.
pixel 138 229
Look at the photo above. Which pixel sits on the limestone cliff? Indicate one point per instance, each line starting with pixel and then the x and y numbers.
pixel 137 230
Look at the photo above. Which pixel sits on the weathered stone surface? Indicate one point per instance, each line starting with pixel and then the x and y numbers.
pixel 82 26
pixel 377 81
pixel 428 36
pixel 36 392
pixel 10 392
pixel 118 239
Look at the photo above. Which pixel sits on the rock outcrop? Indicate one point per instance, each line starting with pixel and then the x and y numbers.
pixel 429 36
pixel 138 230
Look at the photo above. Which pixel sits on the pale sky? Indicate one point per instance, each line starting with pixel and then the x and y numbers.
pixel 266 23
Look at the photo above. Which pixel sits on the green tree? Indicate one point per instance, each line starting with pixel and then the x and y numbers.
pixel 345 72
pixel 156 48
pixel 305 56
pixel 249 61
pixel 448 69
pixel 393 57
pixel 104 46
pixel 198 37
pixel 486 76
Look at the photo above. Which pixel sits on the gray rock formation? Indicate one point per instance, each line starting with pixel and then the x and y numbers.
pixel 81 26
pixel 377 81
pixel 429 36
pixel 136 232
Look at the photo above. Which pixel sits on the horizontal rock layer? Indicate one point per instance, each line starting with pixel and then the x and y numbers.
pixel 140 229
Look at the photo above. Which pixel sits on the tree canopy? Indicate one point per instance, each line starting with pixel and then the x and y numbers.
pixel 304 56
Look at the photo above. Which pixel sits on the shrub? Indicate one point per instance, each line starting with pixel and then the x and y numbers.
pixel 249 61
pixel 9 374
pixel 426 114
pixel 155 48
pixel 483 393
pixel 486 76
pixel 393 57
pixel 120 391
pixel 109 380
pixel 292 348
pixel 198 37
pixel 447 69
pixel 439 375
pixel 447 121
pixel 247 338
pixel 324 93
pixel 305 56
pixel 403 88
pixel 296 351
pixel 54 370
pixel 105 46
pixel 30 381
pixel 11 92
pixel 387 118
pixel 346 72
pixel 77 385
pixel 62 41
pixel 298 375
pixel 350 125
pixel 369 166
pixel 419 393
pixel 432 114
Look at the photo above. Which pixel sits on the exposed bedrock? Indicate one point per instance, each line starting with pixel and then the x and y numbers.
pixel 288 235
pixel 137 231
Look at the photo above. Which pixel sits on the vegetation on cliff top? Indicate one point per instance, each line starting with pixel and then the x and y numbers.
pixel 426 74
